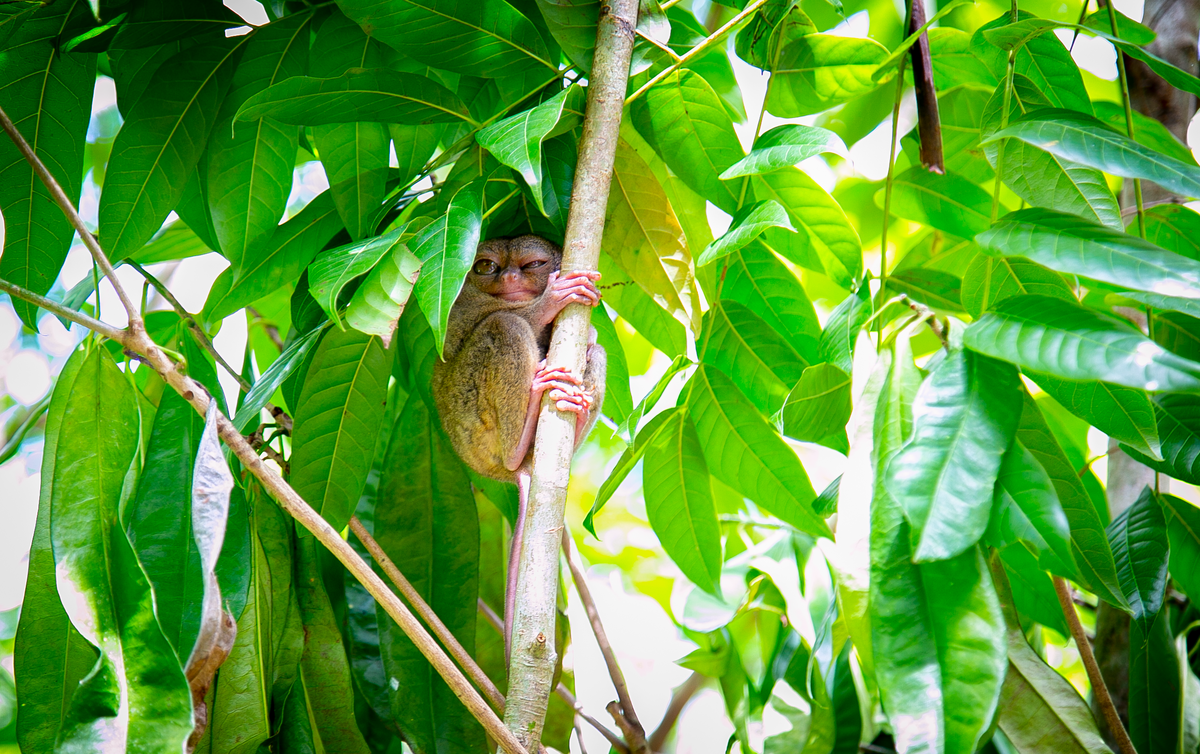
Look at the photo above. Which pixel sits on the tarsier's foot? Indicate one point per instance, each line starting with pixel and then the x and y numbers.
pixel 546 378
pixel 571 287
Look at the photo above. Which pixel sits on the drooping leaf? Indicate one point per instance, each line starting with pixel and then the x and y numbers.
pixel 759 360
pixel 946 202
pixel 782 146
pixel 1044 60
pixel 825 240
pixel 819 71
pixel 1146 131
pixel 943 479
pixel 989 280
pixel 819 404
pixel 1032 588
pixel 379 301
pixel 743 451
pixel 48 96
pixel 488 38
pixel 1024 483
pixel 1183 536
pixel 164 135
pixel 758 280
pixel 640 310
pixel 618 400
pixel 748 224
pixel 336 422
pixel 1155 686
pixel 446 248
pixel 333 269
pixel 679 501
pixel 683 118
pixel 1069 341
pixel 836 345
pixel 1139 543
pixel 625 464
pixel 1122 413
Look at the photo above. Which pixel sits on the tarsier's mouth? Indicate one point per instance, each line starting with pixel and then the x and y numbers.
pixel 517 295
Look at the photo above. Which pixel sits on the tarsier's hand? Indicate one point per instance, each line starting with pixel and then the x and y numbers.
pixel 571 287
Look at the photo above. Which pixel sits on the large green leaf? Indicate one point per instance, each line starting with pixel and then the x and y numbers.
pixel 819 71
pixel 50 657
pixel 1044 60
pixel 1139 543
pixel 643 236
pixel 478 37
pixel 758 359
pixel 943 478
pixel 1183 536
pixel 1155 686
pixel 818 405
pixel 842 328
pixel 618 400
pixel 1178 419
pixel 1032 587
pixel 48 96
pixel 743 451
pixel 1146 131
pixel 748 224
pixel 446 248
pixel 989 280
pixel 1024 483
pixel 1122 413
pixel 573 25
pixel 333 269
pixel 250 166
pixel 425 519
pixel 1174 227
pixel 517 141
pixel 336 422
pixel 1040 711
pixel 136 694
pixel 1075 343
pixel 270 380
pixel 679 501
pixel 628 460
pixel 379 301
pixel 946 202
pixel 164 134
pixel 683 118
pixel 159 521
pixel 278 263
pixel 1084 139
pixel 825 241
pixel 783 146
pixel 372 94
pixel 1089 542
pixel 758 280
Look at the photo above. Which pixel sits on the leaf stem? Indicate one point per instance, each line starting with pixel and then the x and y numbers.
pixel 887 192
pixel 1103 698
pixel 1129 131
pixel 1008 89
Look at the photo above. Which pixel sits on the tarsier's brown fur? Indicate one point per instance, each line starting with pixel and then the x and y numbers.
pixel 488 388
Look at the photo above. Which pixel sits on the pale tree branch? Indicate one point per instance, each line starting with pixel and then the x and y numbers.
pixel 79 318
pixel 139 342
pixel 625 716
pixel 679 700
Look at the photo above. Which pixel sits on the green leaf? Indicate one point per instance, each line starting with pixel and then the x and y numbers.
pixel 954 62
pixel 1044 60
pixel 683 118
pixel 1026 507
pixel 758 280
pixel 478 37
pixel 628 460
pixel 50 657
pixel 1127 28
pixel 679 501
pixel 819 404
pixel 1083 139
pixel 758 359
pixel 163 136
pixel 48 97
pixel 269 381
pixel 517 141
pixel 618 401
pixel 379 301
pixel 1089 543
pixel 1183 535
pixel 943 478
pixel 825 240
pixel 1175 228
pixel 1033 590
pixel 743 451
pixel 819 71
pixel 748 224
pixel 1178 419
pixel 902 49
pixel 1040 710
pixel 1122 413
pixel 137 693
pixel 278 263
pixel 333 269
pixel 946 202
pixel 783 146
pixel 934 288
pixel 1146 131
pixel 250 167
pixel 643 236
pixel 446 248
pixel 336 422
pixel 326 671
pixel 990 280
pixel 1069 341
pixel 368 94
pixel 159 521
pixel 1155 686
pixel 1138 538
pixel 573 25
pixel 841 329
pixel 426 520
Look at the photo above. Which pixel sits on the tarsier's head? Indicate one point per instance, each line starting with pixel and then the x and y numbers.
pixel 514 269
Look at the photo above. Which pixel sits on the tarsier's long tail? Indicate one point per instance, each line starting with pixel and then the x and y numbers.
pixel 514 556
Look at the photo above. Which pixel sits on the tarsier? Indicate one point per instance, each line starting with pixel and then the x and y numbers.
pixel 489 387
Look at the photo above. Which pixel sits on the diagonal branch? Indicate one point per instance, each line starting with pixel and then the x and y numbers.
pixel 136 339
pixel 67 313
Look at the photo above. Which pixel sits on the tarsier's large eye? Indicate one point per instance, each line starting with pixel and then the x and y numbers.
pixel 534 264
pixel 485 267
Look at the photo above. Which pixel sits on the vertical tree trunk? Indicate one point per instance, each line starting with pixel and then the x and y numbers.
pixel 531 667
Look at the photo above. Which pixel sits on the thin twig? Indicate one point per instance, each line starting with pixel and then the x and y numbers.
pixel 627 719
pixel 1103 698
pixel 79 318
pixel 137 340
pixel 427 614
pixel 679 700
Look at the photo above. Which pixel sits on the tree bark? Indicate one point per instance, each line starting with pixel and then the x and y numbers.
pixel 531 666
